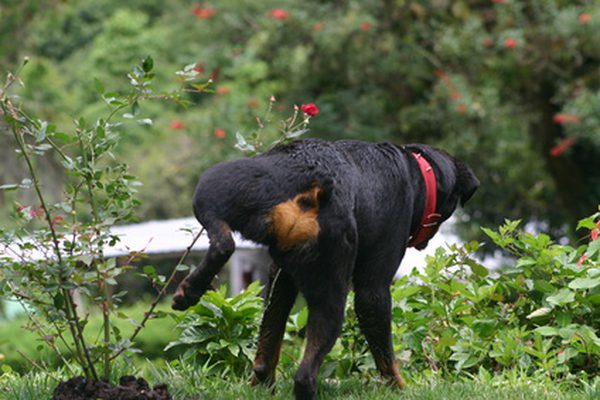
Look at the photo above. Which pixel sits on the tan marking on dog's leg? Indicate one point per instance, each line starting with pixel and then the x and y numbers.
pixel 294 221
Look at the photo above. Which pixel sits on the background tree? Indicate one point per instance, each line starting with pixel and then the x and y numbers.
pixel 511 86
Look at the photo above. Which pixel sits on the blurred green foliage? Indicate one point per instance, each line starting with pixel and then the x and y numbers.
pixel 151 341
pixel 483 79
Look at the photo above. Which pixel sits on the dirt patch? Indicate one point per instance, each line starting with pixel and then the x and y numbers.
pixel 129 388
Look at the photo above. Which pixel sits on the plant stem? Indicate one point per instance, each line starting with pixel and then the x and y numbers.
pixel 74 324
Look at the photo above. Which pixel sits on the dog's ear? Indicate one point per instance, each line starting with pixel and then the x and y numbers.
pixel 466 182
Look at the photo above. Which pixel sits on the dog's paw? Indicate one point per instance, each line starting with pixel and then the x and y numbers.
pixel 185 297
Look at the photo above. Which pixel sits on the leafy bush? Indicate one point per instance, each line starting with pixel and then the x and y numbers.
pixel 56 249
pixel 538 315
pixel 221 331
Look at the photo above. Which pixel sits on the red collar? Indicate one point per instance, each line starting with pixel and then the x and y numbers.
pixel 430 220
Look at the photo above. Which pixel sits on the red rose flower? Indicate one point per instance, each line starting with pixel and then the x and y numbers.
pixel 510 43
pixel 278 13
pixel 562 146
pixel 219 133
pixel 565 118
pixel 584 18
pixel 203 13
pixel 309 109
pixel 176 124
pixel 199 68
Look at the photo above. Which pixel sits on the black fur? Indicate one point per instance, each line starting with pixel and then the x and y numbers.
pixel 368 199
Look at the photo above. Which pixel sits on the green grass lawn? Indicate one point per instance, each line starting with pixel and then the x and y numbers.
pixel 195 386
pixel 152 340
pixel 187 382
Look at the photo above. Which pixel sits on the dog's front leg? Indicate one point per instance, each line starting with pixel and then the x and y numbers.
pixel 198 281
pixel 280 302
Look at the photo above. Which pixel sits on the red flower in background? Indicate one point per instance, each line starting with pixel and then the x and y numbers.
pixel 461 108
pixel 584 18
pixel 318 27
pixel 223 90
pixel 199 68
pixel 510 43
pixel 202 12
pixel 309 109
pixel 562 146
pixel 252 103
pixel 566 119
pixel 30 211
pixel 582 259
pixel 365 26
pixel 487 42
pixel 594 233
pixel 57 220
pixel 278 13
pixel 176 124
pixel 441 74
pixel 219 133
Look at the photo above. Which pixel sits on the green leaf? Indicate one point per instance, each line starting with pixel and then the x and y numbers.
pixel 99 86
pixel 547 331
pixel 584 283
pixel 588 223
pixel 147 64
pixel 594 299
pixel 477 268
pixel 149 270
pixel 593 248
pixel 543 286
pixel 562 297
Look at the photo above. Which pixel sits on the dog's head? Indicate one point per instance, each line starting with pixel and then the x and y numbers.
pixel 456 183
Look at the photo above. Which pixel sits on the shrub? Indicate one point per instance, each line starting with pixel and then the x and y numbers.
pixel 220 331
pixel 539 314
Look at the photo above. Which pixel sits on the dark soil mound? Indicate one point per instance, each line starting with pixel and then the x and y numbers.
pixel 129 388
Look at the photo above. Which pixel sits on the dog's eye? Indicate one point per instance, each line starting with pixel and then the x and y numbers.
pixel 306 203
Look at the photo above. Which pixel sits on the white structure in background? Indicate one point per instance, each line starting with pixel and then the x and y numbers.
pixel 249 262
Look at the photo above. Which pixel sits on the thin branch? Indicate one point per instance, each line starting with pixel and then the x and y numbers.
pixel 160 294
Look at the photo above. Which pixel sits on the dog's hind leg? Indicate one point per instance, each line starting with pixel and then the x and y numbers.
pixel 280 301
pixel 372 303
pixel 325 317
pixel 198 281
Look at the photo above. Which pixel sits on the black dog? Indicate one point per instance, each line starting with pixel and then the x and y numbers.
pixel 334 215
